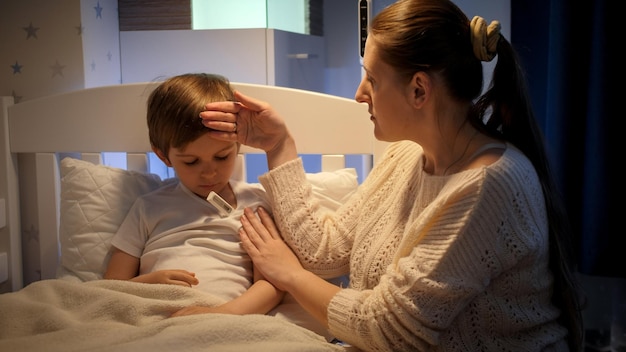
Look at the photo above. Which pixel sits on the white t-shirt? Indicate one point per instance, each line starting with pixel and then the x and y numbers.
pixel 173 228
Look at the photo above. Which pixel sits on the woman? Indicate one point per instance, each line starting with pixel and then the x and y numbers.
pixel 456 241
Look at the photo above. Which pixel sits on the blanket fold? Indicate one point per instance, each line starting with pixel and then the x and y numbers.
pixel 112 315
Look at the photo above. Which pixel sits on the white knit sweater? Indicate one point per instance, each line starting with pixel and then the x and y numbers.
pixel 437 263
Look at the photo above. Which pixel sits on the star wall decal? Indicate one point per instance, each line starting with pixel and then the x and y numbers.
pixel 17 68
pixel 32 234
pixel 31 31
pixel 57 69
pixel 79 29
pixel 93 65
pixel 109 55
pixel 98 10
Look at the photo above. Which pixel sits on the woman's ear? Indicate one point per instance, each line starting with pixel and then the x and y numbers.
pixel 161 156
pixel 420 87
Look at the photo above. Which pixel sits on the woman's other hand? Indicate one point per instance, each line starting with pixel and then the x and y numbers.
pixel 270 254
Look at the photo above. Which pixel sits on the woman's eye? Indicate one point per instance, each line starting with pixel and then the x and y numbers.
pixel 222 158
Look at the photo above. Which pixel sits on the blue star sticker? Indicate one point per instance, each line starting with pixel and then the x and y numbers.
pixel 17 68
pixel 31 234
pixel 31 31
pixel 57 69
pixel 98 10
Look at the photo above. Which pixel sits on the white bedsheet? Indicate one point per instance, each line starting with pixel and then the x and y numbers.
pixel 111 315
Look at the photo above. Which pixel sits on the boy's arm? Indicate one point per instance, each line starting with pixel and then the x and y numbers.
pixel 260 298
pixel 123 266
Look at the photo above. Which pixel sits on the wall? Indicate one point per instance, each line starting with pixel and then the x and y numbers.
pixel 239 54
pixel 260 56
pixel 51 47
pixel 83 36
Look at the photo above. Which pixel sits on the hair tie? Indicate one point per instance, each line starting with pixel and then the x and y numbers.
pixel 484 39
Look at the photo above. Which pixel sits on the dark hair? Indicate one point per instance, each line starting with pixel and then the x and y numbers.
pixel 435 36
pixel 175 104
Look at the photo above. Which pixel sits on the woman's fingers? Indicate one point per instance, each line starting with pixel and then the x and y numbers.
pixel 221 116
pixel 222 107
pixel 268 222
pixel 253 227
pixel 251 103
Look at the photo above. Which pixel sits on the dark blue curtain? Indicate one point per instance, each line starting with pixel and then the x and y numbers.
pixel 570 50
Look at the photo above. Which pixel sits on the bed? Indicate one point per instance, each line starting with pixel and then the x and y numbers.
pixel 63 198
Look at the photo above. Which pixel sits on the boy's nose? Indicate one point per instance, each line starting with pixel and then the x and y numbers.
pixel 208 170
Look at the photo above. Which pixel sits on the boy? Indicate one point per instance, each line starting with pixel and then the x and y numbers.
pixel 174 235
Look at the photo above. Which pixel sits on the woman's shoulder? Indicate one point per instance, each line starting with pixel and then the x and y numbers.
pixel 513 159
pixel 513 170
pixel 402 149
pixel 404 145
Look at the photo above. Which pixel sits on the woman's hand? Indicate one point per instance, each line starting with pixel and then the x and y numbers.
pixel 270 254
pixel 249 121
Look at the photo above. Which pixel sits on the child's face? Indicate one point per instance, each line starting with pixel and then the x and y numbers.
pixel 204 165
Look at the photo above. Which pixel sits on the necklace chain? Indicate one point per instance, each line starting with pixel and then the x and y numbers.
pixel 469 141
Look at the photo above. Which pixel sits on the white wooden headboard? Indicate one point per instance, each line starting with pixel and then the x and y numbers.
pixel 112 119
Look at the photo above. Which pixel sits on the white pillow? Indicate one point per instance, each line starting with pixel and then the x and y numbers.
pixel 96 198
pixel 94 202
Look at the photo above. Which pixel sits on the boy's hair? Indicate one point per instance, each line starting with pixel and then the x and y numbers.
pixel 174 107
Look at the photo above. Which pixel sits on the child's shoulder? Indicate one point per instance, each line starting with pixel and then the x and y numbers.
pixel 167 186
pixel 244 185
pixel 247 191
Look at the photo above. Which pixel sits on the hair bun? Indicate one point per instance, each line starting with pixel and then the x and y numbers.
pixel 484 38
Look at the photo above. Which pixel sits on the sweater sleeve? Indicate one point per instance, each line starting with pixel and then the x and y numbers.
pixel 320 238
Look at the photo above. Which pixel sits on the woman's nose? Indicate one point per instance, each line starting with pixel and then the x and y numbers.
pixel 360 95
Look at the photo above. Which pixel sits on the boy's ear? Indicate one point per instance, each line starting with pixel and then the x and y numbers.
pixel 161 156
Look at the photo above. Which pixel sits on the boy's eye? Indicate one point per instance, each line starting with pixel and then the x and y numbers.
pixel 191 162
pixel 222 158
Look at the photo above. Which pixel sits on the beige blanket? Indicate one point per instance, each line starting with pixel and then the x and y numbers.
pixel 109 315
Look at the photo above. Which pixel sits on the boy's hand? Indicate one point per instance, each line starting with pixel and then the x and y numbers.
pixel 170 277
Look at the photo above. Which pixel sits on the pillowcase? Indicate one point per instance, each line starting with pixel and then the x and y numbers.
pixel 96 198
pixel 94 202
